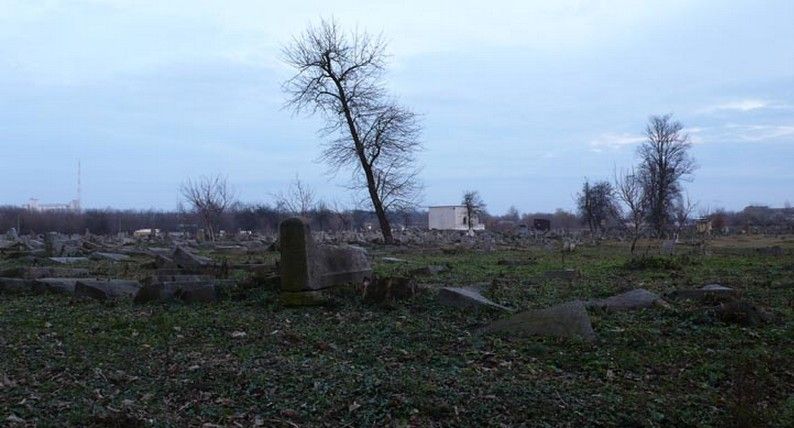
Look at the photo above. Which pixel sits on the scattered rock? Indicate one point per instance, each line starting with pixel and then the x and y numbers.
pixel 743 313
pixel 467 298
pixel 35 272
pixel 634 299
pixel 567 320
pixel 393 260
pixel 428 271
pixel 58 285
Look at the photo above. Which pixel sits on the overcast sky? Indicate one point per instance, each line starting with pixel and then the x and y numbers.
pixel 520 100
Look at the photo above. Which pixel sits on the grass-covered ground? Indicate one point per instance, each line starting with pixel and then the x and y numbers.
pixel 248 362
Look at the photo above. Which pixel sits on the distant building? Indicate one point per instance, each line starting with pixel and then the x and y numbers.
pixel 451 217
pixel 34 205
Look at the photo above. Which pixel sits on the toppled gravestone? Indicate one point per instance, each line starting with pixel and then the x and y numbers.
pixel 467 298
pixel 566 320
pixel 634 299
pixel 17 285
pixel 188 291
pixel 743 313
pixel 58 285
pixel 68 260
pixel 428 270
pixel 707 292
pixel 307 269
pixel 106 289
pixel 189 261
pixel 113 257
pixel 35 272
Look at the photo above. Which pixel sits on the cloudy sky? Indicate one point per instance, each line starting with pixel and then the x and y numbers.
pixel 520 100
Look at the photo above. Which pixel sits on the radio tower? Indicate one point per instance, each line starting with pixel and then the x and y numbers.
pixel 78 205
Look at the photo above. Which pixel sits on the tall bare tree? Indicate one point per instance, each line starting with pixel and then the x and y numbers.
pixel 630 192
pixel 474 207
pixel 665 162
pixel 339 75
pixel 210 197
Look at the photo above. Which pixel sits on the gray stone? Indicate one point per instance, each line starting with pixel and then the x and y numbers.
pixel 634 299
pixel 106 289
pixel 429 270
pixel 35 272
pixel 69 260
pixel 668 247
pixel 707 292
pixel 18 286
pixel 306 266
pixel 392 260
pixel 187 291
pixel 58 285
pixel 113 257
pixel 467 298
pixel 187 260
pixel 566 320
pixel 743 313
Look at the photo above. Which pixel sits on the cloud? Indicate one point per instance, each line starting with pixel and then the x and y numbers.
pixel 611 140
pixel 744 105
pixel 761 132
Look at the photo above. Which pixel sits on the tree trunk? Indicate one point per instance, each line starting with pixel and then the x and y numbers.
pixel 385 227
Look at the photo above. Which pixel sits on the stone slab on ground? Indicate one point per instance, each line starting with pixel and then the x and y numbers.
pixel 186 291
pixel 710 291
pixel 68 260
pixel 106 289
pixel 36 272
pixel 19 285
pixel 429 270
pixel 635 299
pixel 467 298
pixel 566 320
pixel 59 285
pixel 187 260
pixel 113 257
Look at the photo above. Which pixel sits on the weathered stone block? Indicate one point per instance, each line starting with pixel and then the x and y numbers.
pixel 568 320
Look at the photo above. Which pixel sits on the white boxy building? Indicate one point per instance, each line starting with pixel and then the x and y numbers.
pixel 451 217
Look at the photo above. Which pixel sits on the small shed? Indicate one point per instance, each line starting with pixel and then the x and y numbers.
pixel 451 217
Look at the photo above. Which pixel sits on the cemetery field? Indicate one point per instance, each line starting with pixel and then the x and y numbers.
pixel 247 361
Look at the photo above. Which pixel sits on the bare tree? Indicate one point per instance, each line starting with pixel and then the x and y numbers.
pixel 630 192
pixel 683 207
pixel 299 199
pixel 474 207
pixel 339 76
pixel 596 204
pixel 210 197
pixel 665 162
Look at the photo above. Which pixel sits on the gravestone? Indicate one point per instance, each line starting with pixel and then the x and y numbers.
pixel 307 269
pixel 635 299
pixel 668 247
pixel 567 320
pixel 467 298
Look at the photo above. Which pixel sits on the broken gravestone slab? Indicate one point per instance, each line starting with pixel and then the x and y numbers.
pixel 634 299
pixel 393 260
pixel 743 313
pixel 58 285
pixel 668 247
pixel 566 320
pixel 113 257
pixel 467 298
pixel 309 268
pixel 68 260
pixel 205 291
pixel 35 272
pixel 18 286
pixel 187 260
pixel 707 292
pixel 106 289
